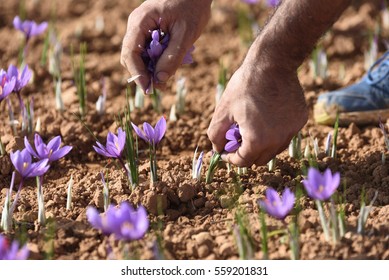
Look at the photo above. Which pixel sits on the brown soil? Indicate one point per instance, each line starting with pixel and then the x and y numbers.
pixel 197 219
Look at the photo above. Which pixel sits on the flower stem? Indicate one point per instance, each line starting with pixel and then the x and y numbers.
pixel 212 167
pixel 334 221
pixel 323 219
pixel 11 211
pixel 293 239
pixel 153 163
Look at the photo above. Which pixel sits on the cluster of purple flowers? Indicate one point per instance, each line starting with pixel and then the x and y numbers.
pixel 124 222
pixel 12 251
pixel 318 186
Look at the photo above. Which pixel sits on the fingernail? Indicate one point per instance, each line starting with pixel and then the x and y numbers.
pixel 162 77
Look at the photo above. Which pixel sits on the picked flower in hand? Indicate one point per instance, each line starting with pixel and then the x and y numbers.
pixel 276 206
pixel 234 139
pixel 124 222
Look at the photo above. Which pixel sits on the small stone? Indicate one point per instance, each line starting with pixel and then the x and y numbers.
pixel 226 250
pixel 203 251
pixel 225 201
pixel 186 192
pixel 203 238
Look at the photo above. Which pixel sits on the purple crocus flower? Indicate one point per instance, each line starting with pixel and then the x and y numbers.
pixel 51 151
pixel 22 162
pixel 12 251
pixel 28 27
pixel 234 139
pixel 276 206
pixel 153 51
pixel 114 146
pixel 124 222
pixel 152 135
pixel 6 85
pixel 22 79
pixel 321 186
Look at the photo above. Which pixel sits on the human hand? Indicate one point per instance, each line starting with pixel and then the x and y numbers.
pixel 183 20
pixel 268 105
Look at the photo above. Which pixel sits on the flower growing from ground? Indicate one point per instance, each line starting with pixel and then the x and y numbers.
pixel 12 251
pixel 234 139
pixel 114 148
pixel 321 186
pixel 114 145
pixel 22 78
pixel 7 85
pixel 124 221
pixel 152 136
pixel 276 206
pixel 279 207
pixel 29 28
pixel 197 164
pixel 22 162
pixel 51 151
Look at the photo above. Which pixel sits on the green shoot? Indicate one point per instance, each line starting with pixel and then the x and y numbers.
pixel 243 237
pixel 79 77
pixel 69 194
pixel 335 140
pixel 41 202
pixel 264 236
pixel 49 238
pixel 364 212
pixel 212 167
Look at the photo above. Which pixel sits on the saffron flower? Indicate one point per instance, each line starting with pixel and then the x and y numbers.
pixel 29 28
pixel 51 151
pixel 12 251
pixel 6 85
pixel 124 222
pixel 22 162
pixel 276 206
pixel 153 51
pixel 149 134
pixel 321 186
pixel 22 79
pixel 114 146
pixel 234 139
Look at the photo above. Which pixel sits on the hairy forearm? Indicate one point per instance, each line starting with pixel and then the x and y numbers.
pixel 293 30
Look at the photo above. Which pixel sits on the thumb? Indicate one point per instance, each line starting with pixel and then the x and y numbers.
pixel 172 57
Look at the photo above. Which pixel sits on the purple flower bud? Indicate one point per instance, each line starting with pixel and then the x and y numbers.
pixel 124 222
pixel 276 206
pixel 12 251
pixel 321 186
